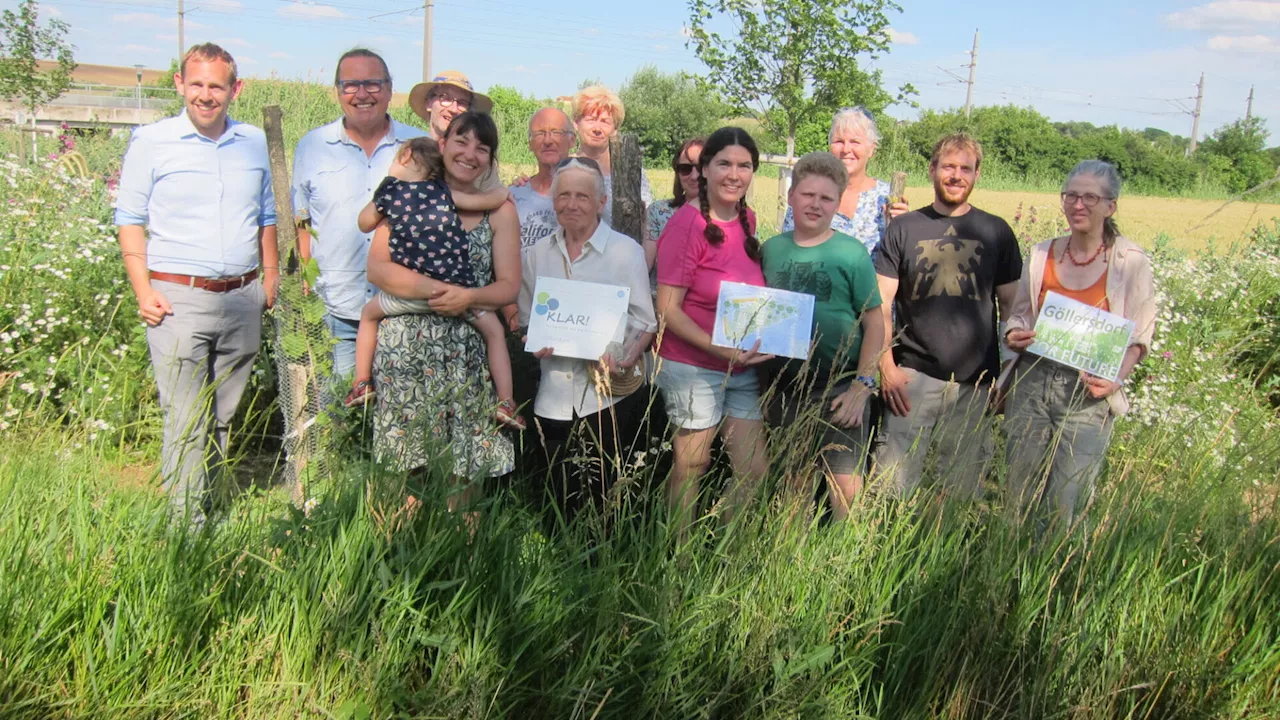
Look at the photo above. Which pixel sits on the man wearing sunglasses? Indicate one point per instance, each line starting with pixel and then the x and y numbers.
pixel 336 168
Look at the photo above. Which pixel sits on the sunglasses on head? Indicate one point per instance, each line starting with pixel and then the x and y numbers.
pixel 581 160
pixel 685 168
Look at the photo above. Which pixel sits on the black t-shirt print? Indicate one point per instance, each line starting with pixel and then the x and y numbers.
pixel 948 269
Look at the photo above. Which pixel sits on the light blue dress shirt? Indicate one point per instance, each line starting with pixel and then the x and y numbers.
pixel 202 201
pixel 333 179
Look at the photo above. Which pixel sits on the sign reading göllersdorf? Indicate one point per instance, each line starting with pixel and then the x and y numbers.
pixel 1080 336
pixel 577 319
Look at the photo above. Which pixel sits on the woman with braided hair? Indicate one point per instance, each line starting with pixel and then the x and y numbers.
pixel 708 389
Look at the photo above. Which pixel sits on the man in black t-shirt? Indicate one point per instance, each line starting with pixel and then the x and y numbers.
pixel 944 265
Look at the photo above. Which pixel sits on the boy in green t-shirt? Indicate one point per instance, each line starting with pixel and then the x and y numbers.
pixel 839 376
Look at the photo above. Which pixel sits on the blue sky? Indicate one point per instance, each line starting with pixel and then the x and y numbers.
pixel 1094 60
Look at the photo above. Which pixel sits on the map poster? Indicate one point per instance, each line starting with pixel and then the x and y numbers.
pixel 1080 336
pixel 577 319
pixel 780 319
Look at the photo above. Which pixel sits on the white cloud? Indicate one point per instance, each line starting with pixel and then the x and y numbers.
pixel 307 10
pixel 278 55
pixel 897 37
pixel 1244 43
pixel 222 5
pixel 1221 14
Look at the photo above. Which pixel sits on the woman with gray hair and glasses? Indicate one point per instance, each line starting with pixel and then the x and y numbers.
pixel 588 410
pixel 865 201
pixel 1059 419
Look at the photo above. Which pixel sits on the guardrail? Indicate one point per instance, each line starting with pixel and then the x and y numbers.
pixel 89 100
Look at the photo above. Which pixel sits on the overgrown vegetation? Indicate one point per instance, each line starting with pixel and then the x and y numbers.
pixel 1161 605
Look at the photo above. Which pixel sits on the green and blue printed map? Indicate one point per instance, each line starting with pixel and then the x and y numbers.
pixel 780 319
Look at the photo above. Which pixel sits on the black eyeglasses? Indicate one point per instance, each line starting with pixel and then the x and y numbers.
pixel 351 87
pixel 685 168
pixel 1090 200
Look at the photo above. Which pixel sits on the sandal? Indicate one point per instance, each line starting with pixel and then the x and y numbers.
pixel 506 415
pixel 361 394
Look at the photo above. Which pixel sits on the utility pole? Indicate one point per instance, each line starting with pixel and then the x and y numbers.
pixel 182 21
pixel 429 7
pixel 1195 122
pixel 973 69
pixel 1248 109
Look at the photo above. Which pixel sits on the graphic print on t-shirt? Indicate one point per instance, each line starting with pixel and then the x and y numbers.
pixel 805 277
pixel 536 225
pixel 947 267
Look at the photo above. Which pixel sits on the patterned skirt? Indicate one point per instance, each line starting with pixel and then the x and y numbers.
pixel 435 398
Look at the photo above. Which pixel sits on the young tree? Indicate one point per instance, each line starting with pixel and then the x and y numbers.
pixel 22 42
pixel 794 60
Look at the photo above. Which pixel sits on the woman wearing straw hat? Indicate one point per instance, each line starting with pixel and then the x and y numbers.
pixel 588 411
pixel 445 97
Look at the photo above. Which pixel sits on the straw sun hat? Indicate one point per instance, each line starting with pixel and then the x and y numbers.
pixel 418 96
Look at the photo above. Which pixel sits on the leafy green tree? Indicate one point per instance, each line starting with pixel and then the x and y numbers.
pixel 512 110
pixel 23 41
pixel 1242 144
pixel 665 109
pixel 793 60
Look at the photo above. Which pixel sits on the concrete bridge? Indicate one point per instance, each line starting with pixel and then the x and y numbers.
pixel 97 106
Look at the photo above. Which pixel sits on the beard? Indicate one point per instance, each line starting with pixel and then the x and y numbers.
pixel 952 196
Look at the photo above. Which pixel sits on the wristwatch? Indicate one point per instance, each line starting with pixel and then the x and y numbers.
pixel 870 382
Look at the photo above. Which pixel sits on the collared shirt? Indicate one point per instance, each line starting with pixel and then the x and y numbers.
pixel 333 179
pixel 610 258
pixel 202 201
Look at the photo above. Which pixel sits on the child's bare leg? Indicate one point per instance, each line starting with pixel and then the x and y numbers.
pixel 367 340
pixel 495 341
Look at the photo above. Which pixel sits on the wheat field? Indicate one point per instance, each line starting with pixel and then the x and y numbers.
pixel 1189 223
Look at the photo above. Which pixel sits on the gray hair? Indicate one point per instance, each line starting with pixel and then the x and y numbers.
pixel 1106 174
pixel 360 52
pixel 858 118
pixel 1104 171
pixel 577 164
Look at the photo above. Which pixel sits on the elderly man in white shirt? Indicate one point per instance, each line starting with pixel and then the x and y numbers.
pixel 336 168
pixel 574 417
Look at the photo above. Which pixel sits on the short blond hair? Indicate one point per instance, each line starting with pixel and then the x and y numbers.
pixel 209 52
pixel 590 100
pixel 821 164
pixel 957 142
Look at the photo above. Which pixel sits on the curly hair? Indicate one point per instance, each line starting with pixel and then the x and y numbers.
pixel 727 137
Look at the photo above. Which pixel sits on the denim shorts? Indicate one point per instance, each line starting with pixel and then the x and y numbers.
pixel 697 398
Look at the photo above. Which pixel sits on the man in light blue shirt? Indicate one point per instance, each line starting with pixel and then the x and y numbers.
pixel 336 168
pixel 197 230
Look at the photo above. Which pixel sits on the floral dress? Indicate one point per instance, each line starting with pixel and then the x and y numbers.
pixel 435 395
pixel 656 218
pixel 868 221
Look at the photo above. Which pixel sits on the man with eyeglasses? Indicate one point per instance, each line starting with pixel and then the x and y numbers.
pixel 336 168
pixel 550 138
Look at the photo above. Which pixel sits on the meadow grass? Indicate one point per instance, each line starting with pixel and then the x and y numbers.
pixel 1160 604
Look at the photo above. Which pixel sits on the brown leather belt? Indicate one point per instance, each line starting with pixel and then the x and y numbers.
pixel 216 285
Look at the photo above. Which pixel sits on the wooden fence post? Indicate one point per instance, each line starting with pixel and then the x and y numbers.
pixel 286 229
pixel 627 166
pixel 295 376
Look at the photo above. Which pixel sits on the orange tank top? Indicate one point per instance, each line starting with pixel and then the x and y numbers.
pixel 1095 295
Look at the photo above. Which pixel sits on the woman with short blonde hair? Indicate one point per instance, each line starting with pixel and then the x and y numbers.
pixel 597 115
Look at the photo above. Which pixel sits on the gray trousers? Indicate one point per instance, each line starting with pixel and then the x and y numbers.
pixel 1058 438
pixel 203 356
pixel 949 418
